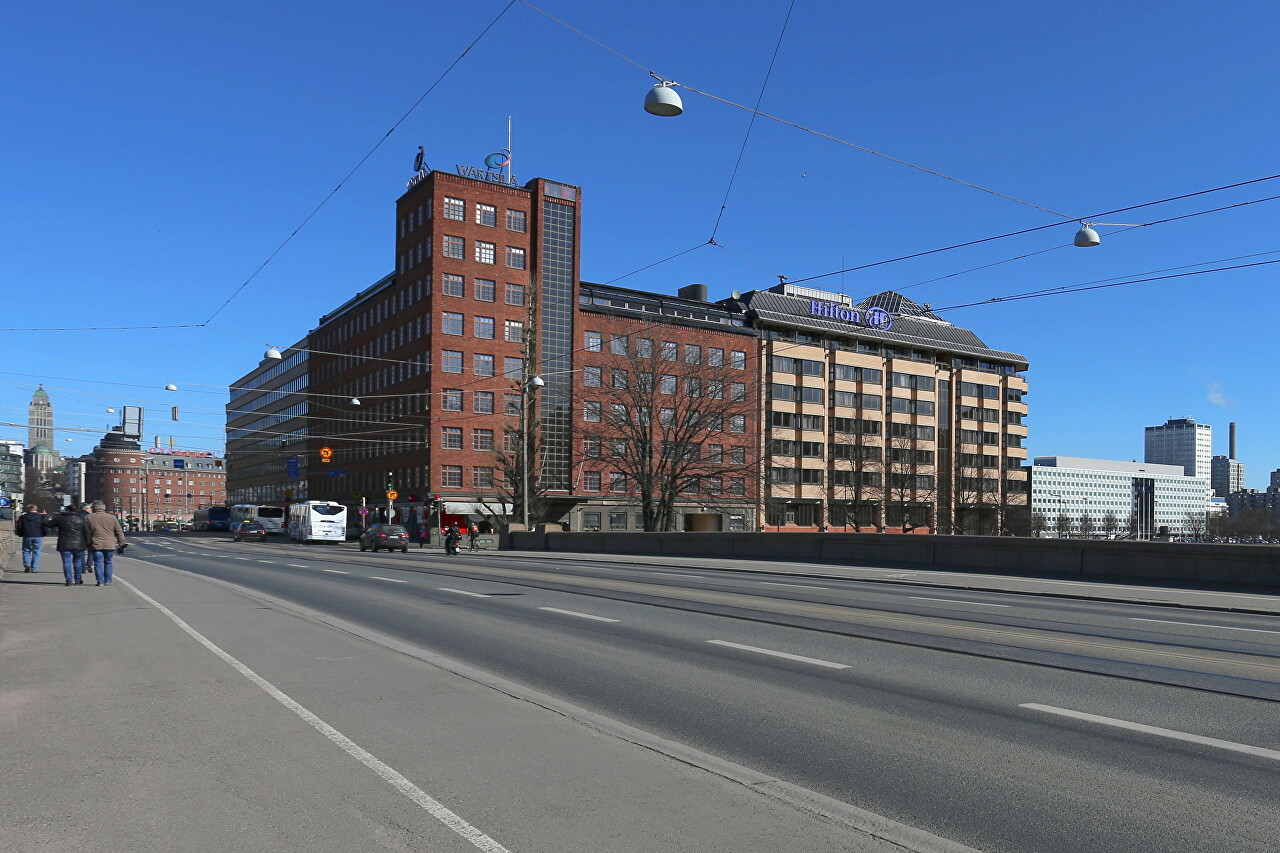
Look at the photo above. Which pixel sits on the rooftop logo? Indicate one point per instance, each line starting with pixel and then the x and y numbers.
pixel 492 171
pixel 873 318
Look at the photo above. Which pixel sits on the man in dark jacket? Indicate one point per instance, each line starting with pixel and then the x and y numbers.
pixel 73 541
pixel 31 527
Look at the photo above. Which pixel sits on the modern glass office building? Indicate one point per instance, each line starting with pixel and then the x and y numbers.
pixel 1104 497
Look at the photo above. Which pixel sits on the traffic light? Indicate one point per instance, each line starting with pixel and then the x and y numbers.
pixel 390 484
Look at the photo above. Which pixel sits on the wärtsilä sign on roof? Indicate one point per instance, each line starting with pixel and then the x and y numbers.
pixel 887 317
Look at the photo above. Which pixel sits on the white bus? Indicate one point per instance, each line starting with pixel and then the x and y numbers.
pixel 318 521
pixel 271 517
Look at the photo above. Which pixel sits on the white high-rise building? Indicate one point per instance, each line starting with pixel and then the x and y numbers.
pixel 1108 497
pixel 1181 441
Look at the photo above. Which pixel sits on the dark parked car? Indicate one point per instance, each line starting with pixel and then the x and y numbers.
pixel 389 536
pixel 251 531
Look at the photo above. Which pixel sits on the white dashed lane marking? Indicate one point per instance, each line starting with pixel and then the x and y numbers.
pixel 392 580
pixel 579 615
pixel 1156 730
pixel 335 572
pixel 957 601
pixel 801 658
pixel 464 592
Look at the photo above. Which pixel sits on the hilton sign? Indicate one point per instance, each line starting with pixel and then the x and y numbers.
pixel 873 318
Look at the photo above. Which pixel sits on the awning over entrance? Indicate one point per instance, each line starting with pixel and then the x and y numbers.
pixel 481 510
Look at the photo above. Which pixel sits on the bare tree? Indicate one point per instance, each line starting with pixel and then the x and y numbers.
pixel 1039 523
pixel 911 485
pixel 1062 524
pixel 1110 524
pixel 1087 526
pixel 857 472
pixel 976 494
pixel 673 421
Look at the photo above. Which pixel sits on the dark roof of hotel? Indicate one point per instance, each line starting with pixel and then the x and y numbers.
pixel 913 325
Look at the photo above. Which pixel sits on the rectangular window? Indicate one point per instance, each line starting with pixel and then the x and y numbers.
pixel 913 407
pixel 617 481
pixel 593 341
pixel 620 379
pixel 738 424
pixel 512 368
pixel 617 521
pixel 482 439
pixel 451 400
pixel 451 438
pixel 644 347
pixel 591 481
pixel 591 377
pixel 451 476
pixel 737 487
pixel 692 354
pixel 450 361
pixel 738 360
pixel 482 402
pixel 590 521
pixel 715 357
pixel 618 344
pixel 667 384
pixel 483 327
pixel 511 405
pixel 911 380
pixel 482 477
pixel 516 221
pixel 856 374
pixel 514 294
pixel 485 289
pixel 510 440
pixel 513 331
pixel 515 258
pixel 453 285
pixel 454 247
pixel 669 351
pixel 451 323
pixel 486 253
pixel 486 214
pixel 591 411
pixel 715 453
pixel 455 208
pixel 591 447
pixel 618 413
pixel 483 364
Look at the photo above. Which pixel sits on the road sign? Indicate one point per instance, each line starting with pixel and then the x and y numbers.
pixel 364 510
pixel 291 467
pixel 4 501
pixel 326 454
pixel 392 494
pixel 288 493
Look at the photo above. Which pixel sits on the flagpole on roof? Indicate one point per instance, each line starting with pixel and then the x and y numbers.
pixel 508 150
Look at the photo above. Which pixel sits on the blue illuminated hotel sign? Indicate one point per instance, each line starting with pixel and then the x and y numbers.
pixel 874 318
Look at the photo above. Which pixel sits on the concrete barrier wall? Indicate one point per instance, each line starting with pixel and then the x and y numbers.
pixel 1248 565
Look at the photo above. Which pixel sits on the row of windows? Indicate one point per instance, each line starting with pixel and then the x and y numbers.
pixel 694 386
pixel 593 448
pixel 484 328
pixel 814 477
pixel 618 484
pixel 619 413
pixel 483 289
pixel 481 476
pixel 483 364
pixel 669 350
pixel 455 247
pixel 482 402
pixel 485 214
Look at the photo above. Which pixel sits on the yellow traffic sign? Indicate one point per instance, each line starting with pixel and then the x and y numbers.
pixel 326 454
pixel 392 495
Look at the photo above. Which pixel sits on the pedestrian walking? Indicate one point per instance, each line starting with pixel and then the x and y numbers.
pixel 31 528
pixel 474 535
pixel 452 537
pixel 424 533
pixel 73 543
pixel 105 537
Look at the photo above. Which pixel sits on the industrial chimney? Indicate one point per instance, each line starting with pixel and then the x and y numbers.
pixel 1231 444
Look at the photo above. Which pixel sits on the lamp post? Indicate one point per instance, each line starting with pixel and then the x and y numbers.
pixel 526 390
pixel 1057 522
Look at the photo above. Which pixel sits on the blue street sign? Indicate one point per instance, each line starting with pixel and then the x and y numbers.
pixel 4 501
pixel 291 467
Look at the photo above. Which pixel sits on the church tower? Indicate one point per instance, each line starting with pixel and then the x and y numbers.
pixel 41 453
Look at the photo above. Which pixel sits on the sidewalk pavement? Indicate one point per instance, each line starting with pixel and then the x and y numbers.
pixel 122 731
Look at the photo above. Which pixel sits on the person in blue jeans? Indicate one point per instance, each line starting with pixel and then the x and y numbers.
pixel 73 542
pixel 31 527
pixel 105 537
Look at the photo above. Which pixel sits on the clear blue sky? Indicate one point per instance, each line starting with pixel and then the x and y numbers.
pixel 156 154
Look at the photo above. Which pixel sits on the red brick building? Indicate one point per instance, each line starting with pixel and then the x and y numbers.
pixel 152 485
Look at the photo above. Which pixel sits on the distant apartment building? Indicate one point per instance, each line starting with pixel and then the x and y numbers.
pixel 1183 442
pixel 1227 475
pixel 153 484
pixel 1071 495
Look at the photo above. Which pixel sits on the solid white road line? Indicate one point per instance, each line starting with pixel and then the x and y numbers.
pixel 1200 625
pixel 463 592
pixel 579 615
pixel 828 664
pixel 433 806
pixel 957 601
pixel 267 561
pixel 1155 730
pixel 792 585
pixel 676 575
pixel 393 580
pixel 242 558
pixel 335 572
pixel 296 566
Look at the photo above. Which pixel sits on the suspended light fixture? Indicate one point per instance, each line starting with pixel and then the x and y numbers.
pixel 662 100
pixel 272 352
pixel 171 387
pixel 355 401
pixel 110 411
pixel 1087 236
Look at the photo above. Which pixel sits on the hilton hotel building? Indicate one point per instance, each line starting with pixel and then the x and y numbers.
pixel 882 416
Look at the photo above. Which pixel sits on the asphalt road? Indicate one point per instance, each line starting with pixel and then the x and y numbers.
pixel 1003 722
